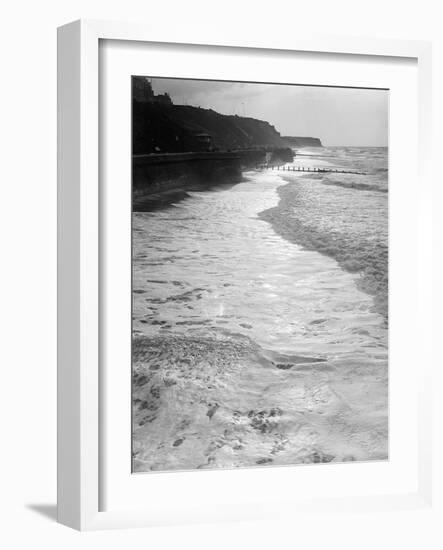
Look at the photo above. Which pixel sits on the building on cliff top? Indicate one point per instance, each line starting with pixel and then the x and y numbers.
pixel 142 91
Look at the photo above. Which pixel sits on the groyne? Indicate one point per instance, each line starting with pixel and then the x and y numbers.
pixel 285 168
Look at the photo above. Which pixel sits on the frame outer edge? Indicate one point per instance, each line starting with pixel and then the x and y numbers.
pixel 68 275
pixel 426 268
pixel 78 255
pixel 77 265
pixel 89 276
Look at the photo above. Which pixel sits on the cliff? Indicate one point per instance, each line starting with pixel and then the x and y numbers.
pixel 297 141
pixel 178 148
pixel 160 128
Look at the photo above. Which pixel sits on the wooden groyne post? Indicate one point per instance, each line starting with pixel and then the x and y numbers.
pixel 287 168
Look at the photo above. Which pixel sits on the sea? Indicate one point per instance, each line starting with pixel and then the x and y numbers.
pixel 260 319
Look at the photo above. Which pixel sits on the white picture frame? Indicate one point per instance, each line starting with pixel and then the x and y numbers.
pixel 79 260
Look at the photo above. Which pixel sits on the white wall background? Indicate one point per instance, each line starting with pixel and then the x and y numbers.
pixel 28 251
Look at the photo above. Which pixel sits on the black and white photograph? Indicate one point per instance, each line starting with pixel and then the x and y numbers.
pixel 223 255
pixel 259 274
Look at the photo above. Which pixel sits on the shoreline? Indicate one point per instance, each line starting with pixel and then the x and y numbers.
pixel 165 198
pixel 208 395
pixel 373 273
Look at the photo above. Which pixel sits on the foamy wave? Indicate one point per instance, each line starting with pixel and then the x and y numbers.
pixel 350 227
pixel 202 402
pixel 363 186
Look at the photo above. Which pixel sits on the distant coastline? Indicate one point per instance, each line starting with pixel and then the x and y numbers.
pixel 298 141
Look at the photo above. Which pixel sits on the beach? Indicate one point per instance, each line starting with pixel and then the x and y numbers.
pixel 260 322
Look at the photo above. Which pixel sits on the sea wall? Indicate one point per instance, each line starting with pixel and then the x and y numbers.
pixel 153 174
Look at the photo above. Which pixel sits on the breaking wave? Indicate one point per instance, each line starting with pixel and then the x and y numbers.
pixel 362 186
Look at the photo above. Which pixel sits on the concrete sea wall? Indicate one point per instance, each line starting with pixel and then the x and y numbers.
pixel 153 174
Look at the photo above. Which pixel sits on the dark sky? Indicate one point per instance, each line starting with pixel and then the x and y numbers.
pixel 338 116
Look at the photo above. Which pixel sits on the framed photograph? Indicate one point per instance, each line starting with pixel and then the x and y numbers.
pixel 242 257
